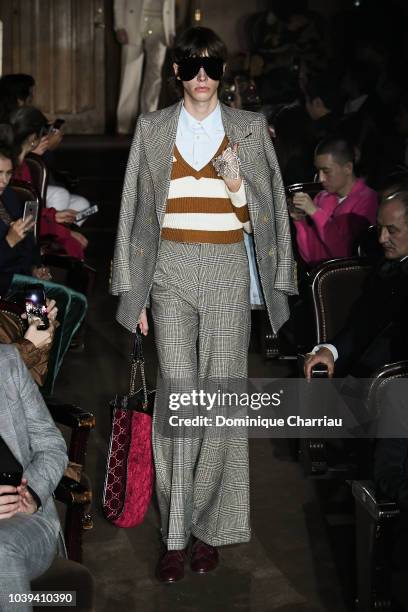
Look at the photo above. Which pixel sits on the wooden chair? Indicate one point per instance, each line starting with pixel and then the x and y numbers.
pixel 376 516
pixel 335 285
pixel 39 174
pixel 75 496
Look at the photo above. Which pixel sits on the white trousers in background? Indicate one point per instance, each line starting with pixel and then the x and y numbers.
pixel 152 48
pixel 61 199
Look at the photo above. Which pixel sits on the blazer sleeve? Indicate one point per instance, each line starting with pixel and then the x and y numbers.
pixel 49 452
pixel 367 319
pixel 285 279
pixel 120 281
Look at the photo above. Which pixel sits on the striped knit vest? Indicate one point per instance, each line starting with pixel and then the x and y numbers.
pixel 199 209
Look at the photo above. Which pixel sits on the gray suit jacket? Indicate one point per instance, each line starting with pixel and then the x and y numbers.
pixel 144 199
pixel 29 431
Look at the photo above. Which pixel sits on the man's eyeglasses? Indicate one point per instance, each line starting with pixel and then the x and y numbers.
pixel 190 67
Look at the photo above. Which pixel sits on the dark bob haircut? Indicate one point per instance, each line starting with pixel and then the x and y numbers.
pixel 26 120
pixel 196 42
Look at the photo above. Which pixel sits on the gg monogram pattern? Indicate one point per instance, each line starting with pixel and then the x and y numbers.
pixel 129 475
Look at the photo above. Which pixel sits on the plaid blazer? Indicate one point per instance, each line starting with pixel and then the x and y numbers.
pixel 28 430
pixel 144 199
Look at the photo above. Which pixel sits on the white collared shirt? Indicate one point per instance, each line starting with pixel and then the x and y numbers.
pixel 198 141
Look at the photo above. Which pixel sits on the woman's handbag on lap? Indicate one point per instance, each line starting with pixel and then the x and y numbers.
pixel 129 473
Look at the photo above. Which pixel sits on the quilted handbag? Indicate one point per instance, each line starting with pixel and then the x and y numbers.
pixel 129 472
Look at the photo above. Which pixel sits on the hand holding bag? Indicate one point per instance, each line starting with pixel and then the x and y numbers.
pixel 130 474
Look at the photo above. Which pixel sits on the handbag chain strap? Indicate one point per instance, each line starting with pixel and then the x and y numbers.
pixel 138 362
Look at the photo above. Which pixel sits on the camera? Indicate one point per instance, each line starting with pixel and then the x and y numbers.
pixel 36 306
pixel 311 188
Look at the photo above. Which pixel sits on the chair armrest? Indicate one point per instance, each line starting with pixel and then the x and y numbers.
pixel 71 415
pixel 66 262
pixel 72 493
pixel 378 508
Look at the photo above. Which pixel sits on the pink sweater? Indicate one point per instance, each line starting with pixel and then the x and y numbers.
pixel 334 228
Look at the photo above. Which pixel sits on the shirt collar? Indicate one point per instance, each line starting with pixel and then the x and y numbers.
pixel 212 125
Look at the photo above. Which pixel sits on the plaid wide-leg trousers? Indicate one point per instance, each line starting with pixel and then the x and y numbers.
pixel 201 313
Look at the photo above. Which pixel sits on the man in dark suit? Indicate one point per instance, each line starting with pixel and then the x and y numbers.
pixel 377 333
pixel 377 329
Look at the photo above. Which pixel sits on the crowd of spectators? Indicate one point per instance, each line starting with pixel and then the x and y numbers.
pixel 24 130
pixel 336 100
pixel 32 450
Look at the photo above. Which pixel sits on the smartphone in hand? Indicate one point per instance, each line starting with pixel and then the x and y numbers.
pixel 58 123
pixel 31 209
pixel 36 305
pixel 87 213
pixel 12 479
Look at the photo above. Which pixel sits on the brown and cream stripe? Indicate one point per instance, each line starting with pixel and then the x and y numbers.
pixel 199 207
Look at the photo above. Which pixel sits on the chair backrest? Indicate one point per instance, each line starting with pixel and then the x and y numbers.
pixel 379 384
pixel 335 285
pixel 26 193
pixel 39 174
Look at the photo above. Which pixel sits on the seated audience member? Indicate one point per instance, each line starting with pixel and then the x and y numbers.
pixel 377 328
pixel 330 225
pixel 32 447
pixel 20 263
pixel 323 103
pixel 17 248
pixel 27 123
pixel 33 344
pixel 15 90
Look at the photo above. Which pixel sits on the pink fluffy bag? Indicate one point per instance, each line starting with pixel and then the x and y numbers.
pixel 129 472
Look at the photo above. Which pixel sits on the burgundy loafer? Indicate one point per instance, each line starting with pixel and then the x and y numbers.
pixel 171 566
pixel 204 558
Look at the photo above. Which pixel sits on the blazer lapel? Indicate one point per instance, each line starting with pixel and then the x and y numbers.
pixel 159 135
pixel 239 131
